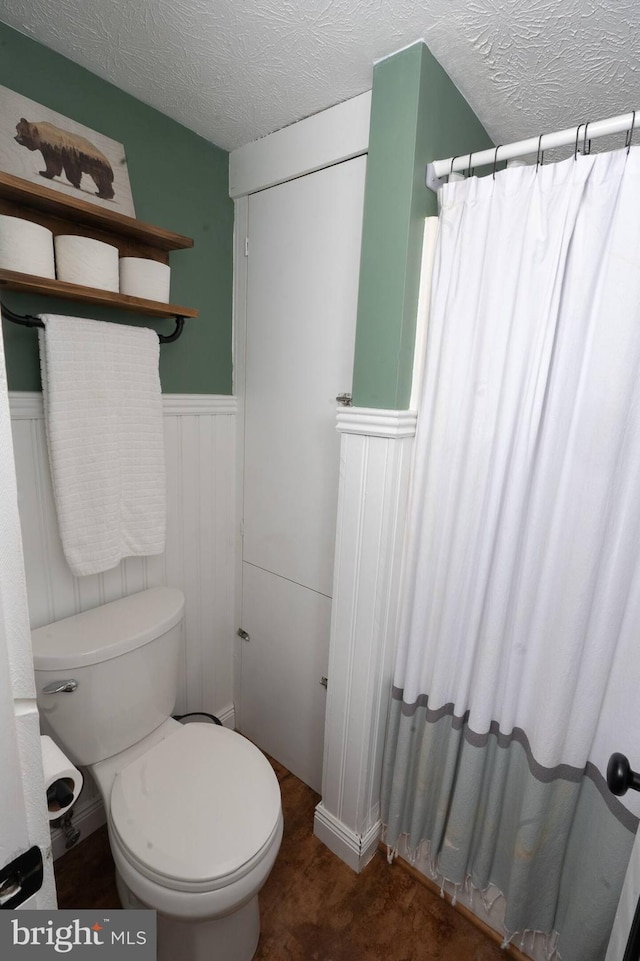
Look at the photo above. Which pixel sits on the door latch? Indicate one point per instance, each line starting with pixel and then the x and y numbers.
pixel 21 878
pixel 243 634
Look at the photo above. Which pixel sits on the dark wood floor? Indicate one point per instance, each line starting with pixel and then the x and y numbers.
pixel 313 907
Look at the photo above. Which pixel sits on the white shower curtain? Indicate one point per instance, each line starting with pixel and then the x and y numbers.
pixel 518 671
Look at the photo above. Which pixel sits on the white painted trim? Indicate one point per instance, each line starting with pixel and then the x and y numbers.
pixel 376 423
pixel 27 404
pixel 374 482
pixel 86 817
pixel 228 716
pixel 326 138
pixel 25 820
pixel 186 404
pixel 240 287
pixel 354 849
pixel 626 909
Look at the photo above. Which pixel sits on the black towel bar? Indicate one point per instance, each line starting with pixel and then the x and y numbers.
pixel 27 320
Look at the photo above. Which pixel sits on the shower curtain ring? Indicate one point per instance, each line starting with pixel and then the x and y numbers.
pixel 629 136
pixel 453 160
pixel 470 168
pixel 540 157
pixel 584 142
pixel 495 161
pixel 575 151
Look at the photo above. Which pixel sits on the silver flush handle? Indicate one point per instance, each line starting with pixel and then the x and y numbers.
pixel 61 687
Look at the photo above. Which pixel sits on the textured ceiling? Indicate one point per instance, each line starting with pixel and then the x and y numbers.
pixel 235 70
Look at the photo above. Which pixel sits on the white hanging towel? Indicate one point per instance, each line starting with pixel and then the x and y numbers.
pixel 103 416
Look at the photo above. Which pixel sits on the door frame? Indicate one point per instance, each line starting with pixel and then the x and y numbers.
pixel 626 910
pixel 327 138
pixel 23 787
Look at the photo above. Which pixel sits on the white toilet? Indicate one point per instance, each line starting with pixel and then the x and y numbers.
pixel 194 810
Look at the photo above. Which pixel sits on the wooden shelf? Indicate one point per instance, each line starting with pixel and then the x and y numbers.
pixel 69 215
pixel 27 283
pixel 50 203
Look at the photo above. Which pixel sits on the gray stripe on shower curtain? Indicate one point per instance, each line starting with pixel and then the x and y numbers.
pixel 565 771
pixel 490 816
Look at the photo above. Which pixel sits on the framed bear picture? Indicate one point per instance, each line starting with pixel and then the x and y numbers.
pixel 46 148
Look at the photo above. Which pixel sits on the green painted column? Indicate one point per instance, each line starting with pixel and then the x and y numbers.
pixel 179 181
pixel 417 115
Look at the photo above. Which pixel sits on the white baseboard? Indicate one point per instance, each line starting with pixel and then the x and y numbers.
pixel 356 850
pixel 228 716
pixel 86 817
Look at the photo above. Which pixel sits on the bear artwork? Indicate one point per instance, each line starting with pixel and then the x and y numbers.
pixel 69 152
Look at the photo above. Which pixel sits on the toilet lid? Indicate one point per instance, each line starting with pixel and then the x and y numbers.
pixel 197 807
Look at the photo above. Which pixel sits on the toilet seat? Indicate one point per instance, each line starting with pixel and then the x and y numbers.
pixel 198 811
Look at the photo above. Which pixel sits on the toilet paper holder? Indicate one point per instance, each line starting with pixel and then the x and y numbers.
pixel 60 794
pixel 27 320
pixel 62 779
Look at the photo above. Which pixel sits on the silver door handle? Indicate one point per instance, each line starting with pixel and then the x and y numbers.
pixel 61 687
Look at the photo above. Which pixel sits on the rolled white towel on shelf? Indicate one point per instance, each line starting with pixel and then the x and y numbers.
pixel 88 262
pixel 140 277
pixel 26 247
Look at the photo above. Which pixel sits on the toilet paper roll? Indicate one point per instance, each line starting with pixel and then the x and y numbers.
pixel 26 247
pixel 85 261
pixel 62 781
pixel 145 278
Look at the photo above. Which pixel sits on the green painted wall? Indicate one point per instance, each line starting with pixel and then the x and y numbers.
pixel 178 180
pixel 417 115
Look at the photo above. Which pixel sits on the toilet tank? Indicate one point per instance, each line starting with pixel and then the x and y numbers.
pixel 124 659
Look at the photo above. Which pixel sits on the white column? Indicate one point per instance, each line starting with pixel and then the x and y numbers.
pixel 375 460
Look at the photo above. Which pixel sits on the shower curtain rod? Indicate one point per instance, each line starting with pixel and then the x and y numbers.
pixel 439 170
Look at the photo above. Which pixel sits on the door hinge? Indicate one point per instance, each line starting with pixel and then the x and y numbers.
pixel 345 399
pixel 324 681
pixel 246 246
pixel 243 634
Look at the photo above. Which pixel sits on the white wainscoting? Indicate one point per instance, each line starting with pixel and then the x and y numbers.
pixel 200 439
pixel 375 462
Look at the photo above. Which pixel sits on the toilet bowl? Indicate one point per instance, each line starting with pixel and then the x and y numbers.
pixel 193 811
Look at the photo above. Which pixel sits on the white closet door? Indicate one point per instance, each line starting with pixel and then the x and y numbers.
pixel 304 258
pixel 23 819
